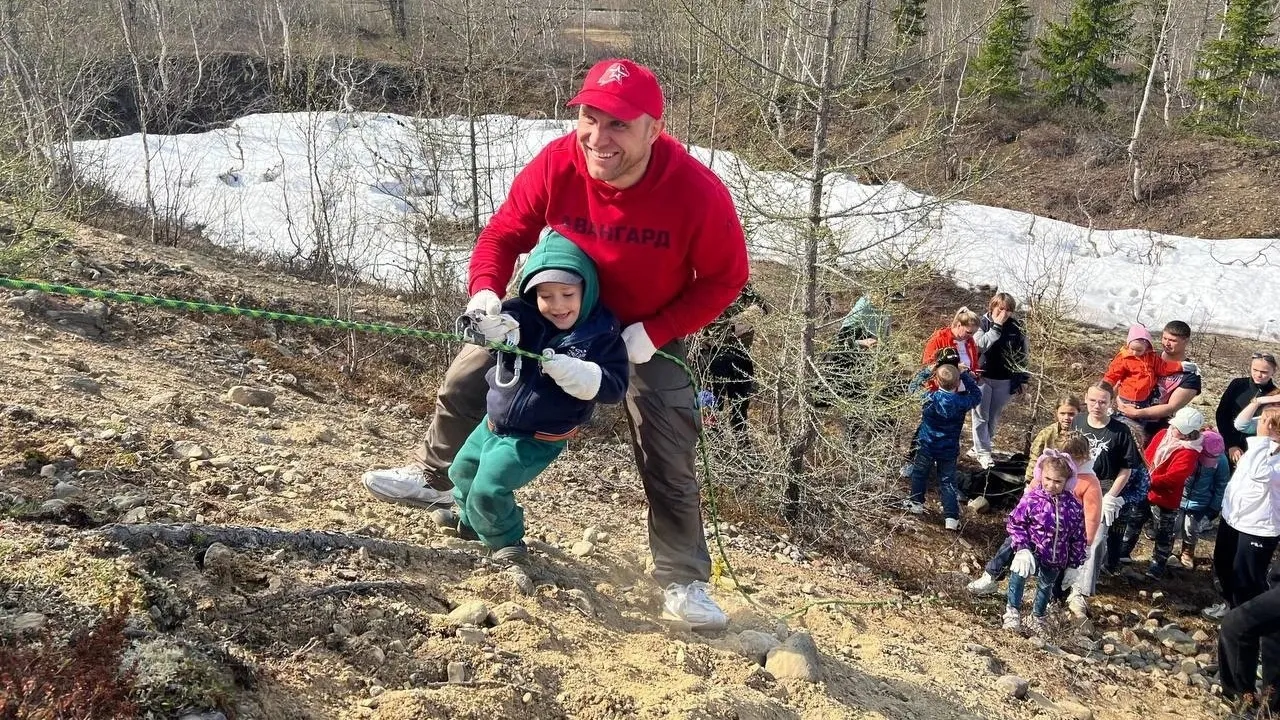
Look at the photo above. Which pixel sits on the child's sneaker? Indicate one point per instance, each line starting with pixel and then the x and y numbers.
pixel 914 508
pixel 952 524
pixel 1012 618
pixel 1215 612
pixel 1037 625
pixel 517 554
pixel 1188 560
pixel 1078 605
pixel 984 585
pixel 1155 570
pixel 448 521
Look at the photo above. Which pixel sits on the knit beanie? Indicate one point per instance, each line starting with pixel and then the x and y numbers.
pixel 1212 449
pixel 1139 332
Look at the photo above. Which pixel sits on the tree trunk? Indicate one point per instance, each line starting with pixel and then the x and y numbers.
pixel 806 424
pixel 1135 166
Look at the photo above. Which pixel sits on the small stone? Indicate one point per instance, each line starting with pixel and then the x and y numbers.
pixel 510 612
pixel 83 384
pixel 48 471
pixel 250 396
pixel 1190 667
pixel 471 636
pixel 66 490
pixel 1200 636
pixel 457 672
pixel 1013 686
pixel 796 658
pixel 591 534
pixel 326 435
pixel 79 451
pixel 753 645
pixel 526 698
pixel 376 690
pixel 189 450
pixel 474 613
pixel 28 621
pixel 124 503
pixel 220 558
pixel 582 548
pixel 53 507
pixel 135 516
pixel 221 461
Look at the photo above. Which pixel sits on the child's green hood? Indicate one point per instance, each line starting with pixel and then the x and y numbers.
pixel 556 252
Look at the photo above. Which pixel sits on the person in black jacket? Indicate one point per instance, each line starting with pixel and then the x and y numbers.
pixel 1239 393
pixel 533 408
pixel 1004 358
pixel 726 361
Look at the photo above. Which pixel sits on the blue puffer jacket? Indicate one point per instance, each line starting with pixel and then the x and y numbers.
pixel 1205 488
pixel 942 418
pixel 536 404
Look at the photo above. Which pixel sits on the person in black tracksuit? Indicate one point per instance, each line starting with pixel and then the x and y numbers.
pixel 1239 393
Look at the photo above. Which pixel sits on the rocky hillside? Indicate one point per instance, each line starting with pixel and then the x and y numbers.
pixel 204 471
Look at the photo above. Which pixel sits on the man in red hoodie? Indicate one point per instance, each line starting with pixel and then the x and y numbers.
pixel 671 255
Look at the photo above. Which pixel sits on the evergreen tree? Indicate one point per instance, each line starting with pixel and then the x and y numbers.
pixel 1226 66
pixel 995 69
pixel 908 20
pixel 1076 56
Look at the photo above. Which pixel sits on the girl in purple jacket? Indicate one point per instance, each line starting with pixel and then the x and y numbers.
pixel 1047 534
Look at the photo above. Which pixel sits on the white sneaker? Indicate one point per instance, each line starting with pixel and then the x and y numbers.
pixel 984 585
pixel 914 508
pixel 1012 619
pixel 972 452
pixel 404 486
pixel 692 605
pixel 1215 612
pixel 985 460
pixel 1078 605
pixel 952 524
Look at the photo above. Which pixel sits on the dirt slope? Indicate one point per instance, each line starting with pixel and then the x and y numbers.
pixel 101 409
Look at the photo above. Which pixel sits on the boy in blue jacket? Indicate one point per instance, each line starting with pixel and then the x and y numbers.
pixel 527 424
pixel 942 419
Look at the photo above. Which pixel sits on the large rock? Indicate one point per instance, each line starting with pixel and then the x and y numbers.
pixel 251 396
pixel 796 658
pixel 752 644
pixel 1013 686
pixel 474 612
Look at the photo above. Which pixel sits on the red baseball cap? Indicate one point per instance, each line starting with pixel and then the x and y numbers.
pixel 622 88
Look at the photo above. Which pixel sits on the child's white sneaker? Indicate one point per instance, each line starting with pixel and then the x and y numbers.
pixel 914 508
pixel 984 585
pixel 952 524
pixel 985 460
pixel 1037 625
pixel 1012 618
pixel 1078 605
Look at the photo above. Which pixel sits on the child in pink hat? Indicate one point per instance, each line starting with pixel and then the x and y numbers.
pixel 1135 369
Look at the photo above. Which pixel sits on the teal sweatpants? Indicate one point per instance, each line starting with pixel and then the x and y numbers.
pixel 485 475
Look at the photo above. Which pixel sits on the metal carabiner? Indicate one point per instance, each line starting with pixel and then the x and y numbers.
pixel 511 338
pixel 466 327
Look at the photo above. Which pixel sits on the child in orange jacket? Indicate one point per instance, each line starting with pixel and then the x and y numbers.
pixel 1135 369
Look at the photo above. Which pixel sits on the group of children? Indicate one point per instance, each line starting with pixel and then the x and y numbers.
pixel 1051 531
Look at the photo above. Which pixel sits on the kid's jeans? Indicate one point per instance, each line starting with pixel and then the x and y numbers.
pixel 1046 580
pixel 920 467
pixel 485 474
pixel 1188 524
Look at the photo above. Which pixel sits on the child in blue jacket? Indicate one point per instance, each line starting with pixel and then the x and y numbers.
pixel 1202 495
pixel 942 419
pixel 528 423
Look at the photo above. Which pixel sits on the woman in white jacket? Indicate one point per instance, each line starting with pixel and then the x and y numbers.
pixel 1251 523
pixel 1250 526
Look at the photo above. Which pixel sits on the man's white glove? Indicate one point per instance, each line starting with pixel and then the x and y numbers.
pixel 1111 505
pixel 485 311
pixel 1024 563
pixel 579 378
pixel 1190 367
pixel 640 348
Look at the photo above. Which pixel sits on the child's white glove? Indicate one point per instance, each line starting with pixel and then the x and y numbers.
pixel 487 318
pixel 1024 563
pixel 1111 505
pixel 640 348
pixel 579 378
